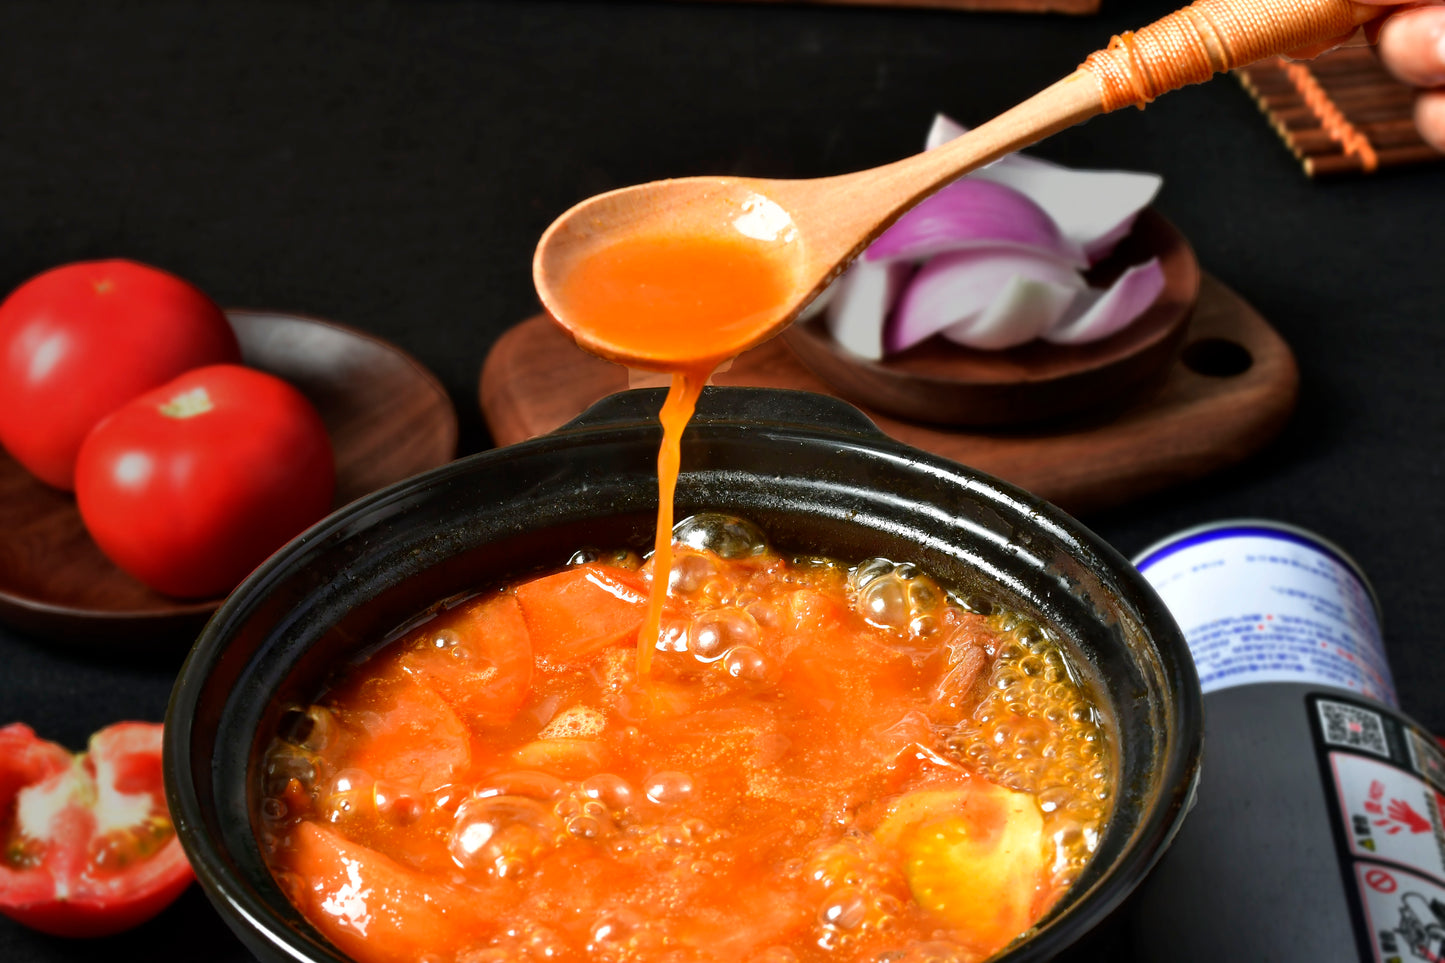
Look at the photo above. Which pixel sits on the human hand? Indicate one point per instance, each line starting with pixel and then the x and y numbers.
pixel 1411 43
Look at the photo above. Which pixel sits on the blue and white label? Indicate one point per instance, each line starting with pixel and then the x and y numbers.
pixel 1260 604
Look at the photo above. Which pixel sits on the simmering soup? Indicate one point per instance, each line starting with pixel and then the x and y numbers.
pixel 824 762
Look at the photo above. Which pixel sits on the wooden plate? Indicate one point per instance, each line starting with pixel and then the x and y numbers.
pixel 388 418
pixel 939 382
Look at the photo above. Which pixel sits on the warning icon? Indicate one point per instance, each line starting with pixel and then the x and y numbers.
pixel 1422 926
pixel 1390 814
pixel 1406 914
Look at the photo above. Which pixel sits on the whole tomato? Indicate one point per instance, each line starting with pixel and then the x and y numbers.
pixel 81 340
pixel 191 485
pixel 89 848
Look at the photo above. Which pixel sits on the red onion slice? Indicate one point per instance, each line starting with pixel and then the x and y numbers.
pixel 1021 311
pixel 1099 313
pixel 985 298
pixel 972 213
pixel 863 296
pixel 1093 209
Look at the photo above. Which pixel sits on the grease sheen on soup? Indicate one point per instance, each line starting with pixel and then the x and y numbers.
pixel 825 762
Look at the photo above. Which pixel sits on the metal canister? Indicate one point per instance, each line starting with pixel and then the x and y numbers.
pixel 1317 834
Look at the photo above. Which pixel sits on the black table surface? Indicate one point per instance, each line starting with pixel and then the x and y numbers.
pixel 391 166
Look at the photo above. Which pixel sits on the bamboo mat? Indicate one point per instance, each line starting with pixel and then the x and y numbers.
pixel 1341 113
pixel 1014 6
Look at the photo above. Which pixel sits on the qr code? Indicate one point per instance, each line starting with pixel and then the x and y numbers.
pixel 1356 728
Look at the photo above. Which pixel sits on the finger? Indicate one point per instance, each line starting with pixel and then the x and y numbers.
pixel 1367 34
pixel 1371 30
pixel 1412 46
pixel 1430 117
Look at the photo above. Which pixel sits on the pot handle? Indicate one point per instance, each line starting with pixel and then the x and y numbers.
pixel 750 407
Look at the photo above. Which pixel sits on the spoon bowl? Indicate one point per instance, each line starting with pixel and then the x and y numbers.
pixel 736 213
pixel 801 234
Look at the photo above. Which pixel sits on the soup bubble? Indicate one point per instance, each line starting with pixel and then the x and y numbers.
pixel 884 603
pixel 351 780
pixel 747 664
pixel 585 826
pixel 690 573
pixel 311 728
pixel 522 782
pixel 866 572
pixel 286 762
pixel 669 788
pixel 609 789
pixel 845 909
pixel 723 535
pixel 923 627
pixel 622 557
pixel 349 791
pixel 716 633
pixel 615 930
pixel 502 835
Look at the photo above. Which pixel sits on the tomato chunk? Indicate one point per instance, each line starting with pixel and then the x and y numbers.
pixel 477 656
pixel 582 610
pixel 409 735
pixel 88 845
pixel 975 857
pixel 372 907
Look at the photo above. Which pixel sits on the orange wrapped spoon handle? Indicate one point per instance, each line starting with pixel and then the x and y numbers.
pixel 1209 36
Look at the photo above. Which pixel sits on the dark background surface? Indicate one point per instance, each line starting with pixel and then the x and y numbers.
pixel 390 166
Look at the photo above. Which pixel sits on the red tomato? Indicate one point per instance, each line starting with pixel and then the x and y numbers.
pixel 193 484
pixel 79 341
pixel 86 844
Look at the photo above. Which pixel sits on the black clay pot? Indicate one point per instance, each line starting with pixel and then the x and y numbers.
pixel 814 473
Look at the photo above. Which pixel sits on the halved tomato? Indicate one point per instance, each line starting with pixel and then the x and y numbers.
pixel 89 848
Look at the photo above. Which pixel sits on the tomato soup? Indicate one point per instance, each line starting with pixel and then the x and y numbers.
pixel 824 762
pixel 692 299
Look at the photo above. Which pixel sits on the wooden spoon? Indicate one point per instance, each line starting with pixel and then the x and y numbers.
pixel 807 231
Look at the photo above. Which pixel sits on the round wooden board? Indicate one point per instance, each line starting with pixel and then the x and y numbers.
pixel 387 416
pixel 1206 414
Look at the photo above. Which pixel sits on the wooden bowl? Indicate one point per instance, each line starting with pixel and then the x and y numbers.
pixel 388 418
pixel 940 382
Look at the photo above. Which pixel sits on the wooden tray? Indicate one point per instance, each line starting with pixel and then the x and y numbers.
pixel 1231 390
